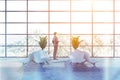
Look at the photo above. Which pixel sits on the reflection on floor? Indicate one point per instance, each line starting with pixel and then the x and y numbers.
pixel 12 69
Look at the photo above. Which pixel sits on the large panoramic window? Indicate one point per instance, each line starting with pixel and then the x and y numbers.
pixel 97 22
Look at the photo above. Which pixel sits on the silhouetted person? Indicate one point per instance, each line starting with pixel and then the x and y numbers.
pixel 55 44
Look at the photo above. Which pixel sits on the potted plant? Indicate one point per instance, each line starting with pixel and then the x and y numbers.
pixel 41 56
pixel 42 42
pixel 78 56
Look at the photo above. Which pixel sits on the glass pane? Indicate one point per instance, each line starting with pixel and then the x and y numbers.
pixel 2 39
pixel 64 40
pixel 16 51
pixel 2 51
pixel 117 39
pixel 81 5
pixel 16 40
pixel 85 49
pixel 117 51
pixel 81 29
pixel 33 49
pixel 59 5
pixel 38 5
pixel 2 5
pixel 16 5
pixel 38 17
pixel 37 28
pixel 117 28
pixel 81 17
pixel 103 17
pixel 16 28
pixel 103 51
pixel 117 17
pixel 60 17
pixel 103 5
pixel 34 39
pixel 60 28
pixel 2 28
pixel 62 51
pixel 16 16
pixel 103 28
pixel 2 17
pixel 117 5
pixel 102 40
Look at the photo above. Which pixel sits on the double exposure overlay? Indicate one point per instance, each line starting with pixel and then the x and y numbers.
pixel 97 22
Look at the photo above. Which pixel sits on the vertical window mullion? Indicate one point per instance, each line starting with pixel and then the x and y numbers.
pixel 113 28
pixel 92 26
pixel 27 25
pixel 48 25
pixel 5 28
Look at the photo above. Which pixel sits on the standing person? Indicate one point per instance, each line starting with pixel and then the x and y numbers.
pixel 55 44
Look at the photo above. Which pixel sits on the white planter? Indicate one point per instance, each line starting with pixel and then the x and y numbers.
pixel 78 56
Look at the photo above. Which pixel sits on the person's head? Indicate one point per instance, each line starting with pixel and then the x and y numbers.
pixel 55 33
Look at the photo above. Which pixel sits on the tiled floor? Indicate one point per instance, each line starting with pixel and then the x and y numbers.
pixel 107 69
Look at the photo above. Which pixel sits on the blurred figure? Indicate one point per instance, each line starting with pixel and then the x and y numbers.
pixel 55 44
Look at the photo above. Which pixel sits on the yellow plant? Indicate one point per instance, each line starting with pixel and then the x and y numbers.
pixel 75 42
pixel 43 42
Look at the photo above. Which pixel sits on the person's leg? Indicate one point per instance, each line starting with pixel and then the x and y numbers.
pixel 55 51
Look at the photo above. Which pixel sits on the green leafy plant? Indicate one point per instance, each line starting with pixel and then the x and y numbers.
pixel 43 42
pixel 76 42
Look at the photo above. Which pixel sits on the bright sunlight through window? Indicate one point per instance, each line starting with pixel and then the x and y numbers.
pixel 97 22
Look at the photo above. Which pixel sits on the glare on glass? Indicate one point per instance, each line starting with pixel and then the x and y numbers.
pixel 2 51
pixel 82 5
pixel 117 51
pixel 117 17
pixel 64 40
pixel 62 51
pixel 2 5
pixel 2 39
pixel 2 28
pixel 103 51
pixel 16 40
pixel 103 16
pixel 81 17
pixel 17 5
pixel 16 51
pixel 117 28
pixel 117 39
pixel 37 28
pixel 102 28
pixel 38 5
pixel 16 16
pixel 81 29
pixel 2 16
pixel 38 17
pixel 117 5
pixel 60 17
pixel 103 5
pixel 59 5
pixel 16 28
pixel 34 40
pixel 102 40
pixel 60 28
pixel 87 39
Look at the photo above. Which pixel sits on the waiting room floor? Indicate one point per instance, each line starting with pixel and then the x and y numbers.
pixel 106 69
